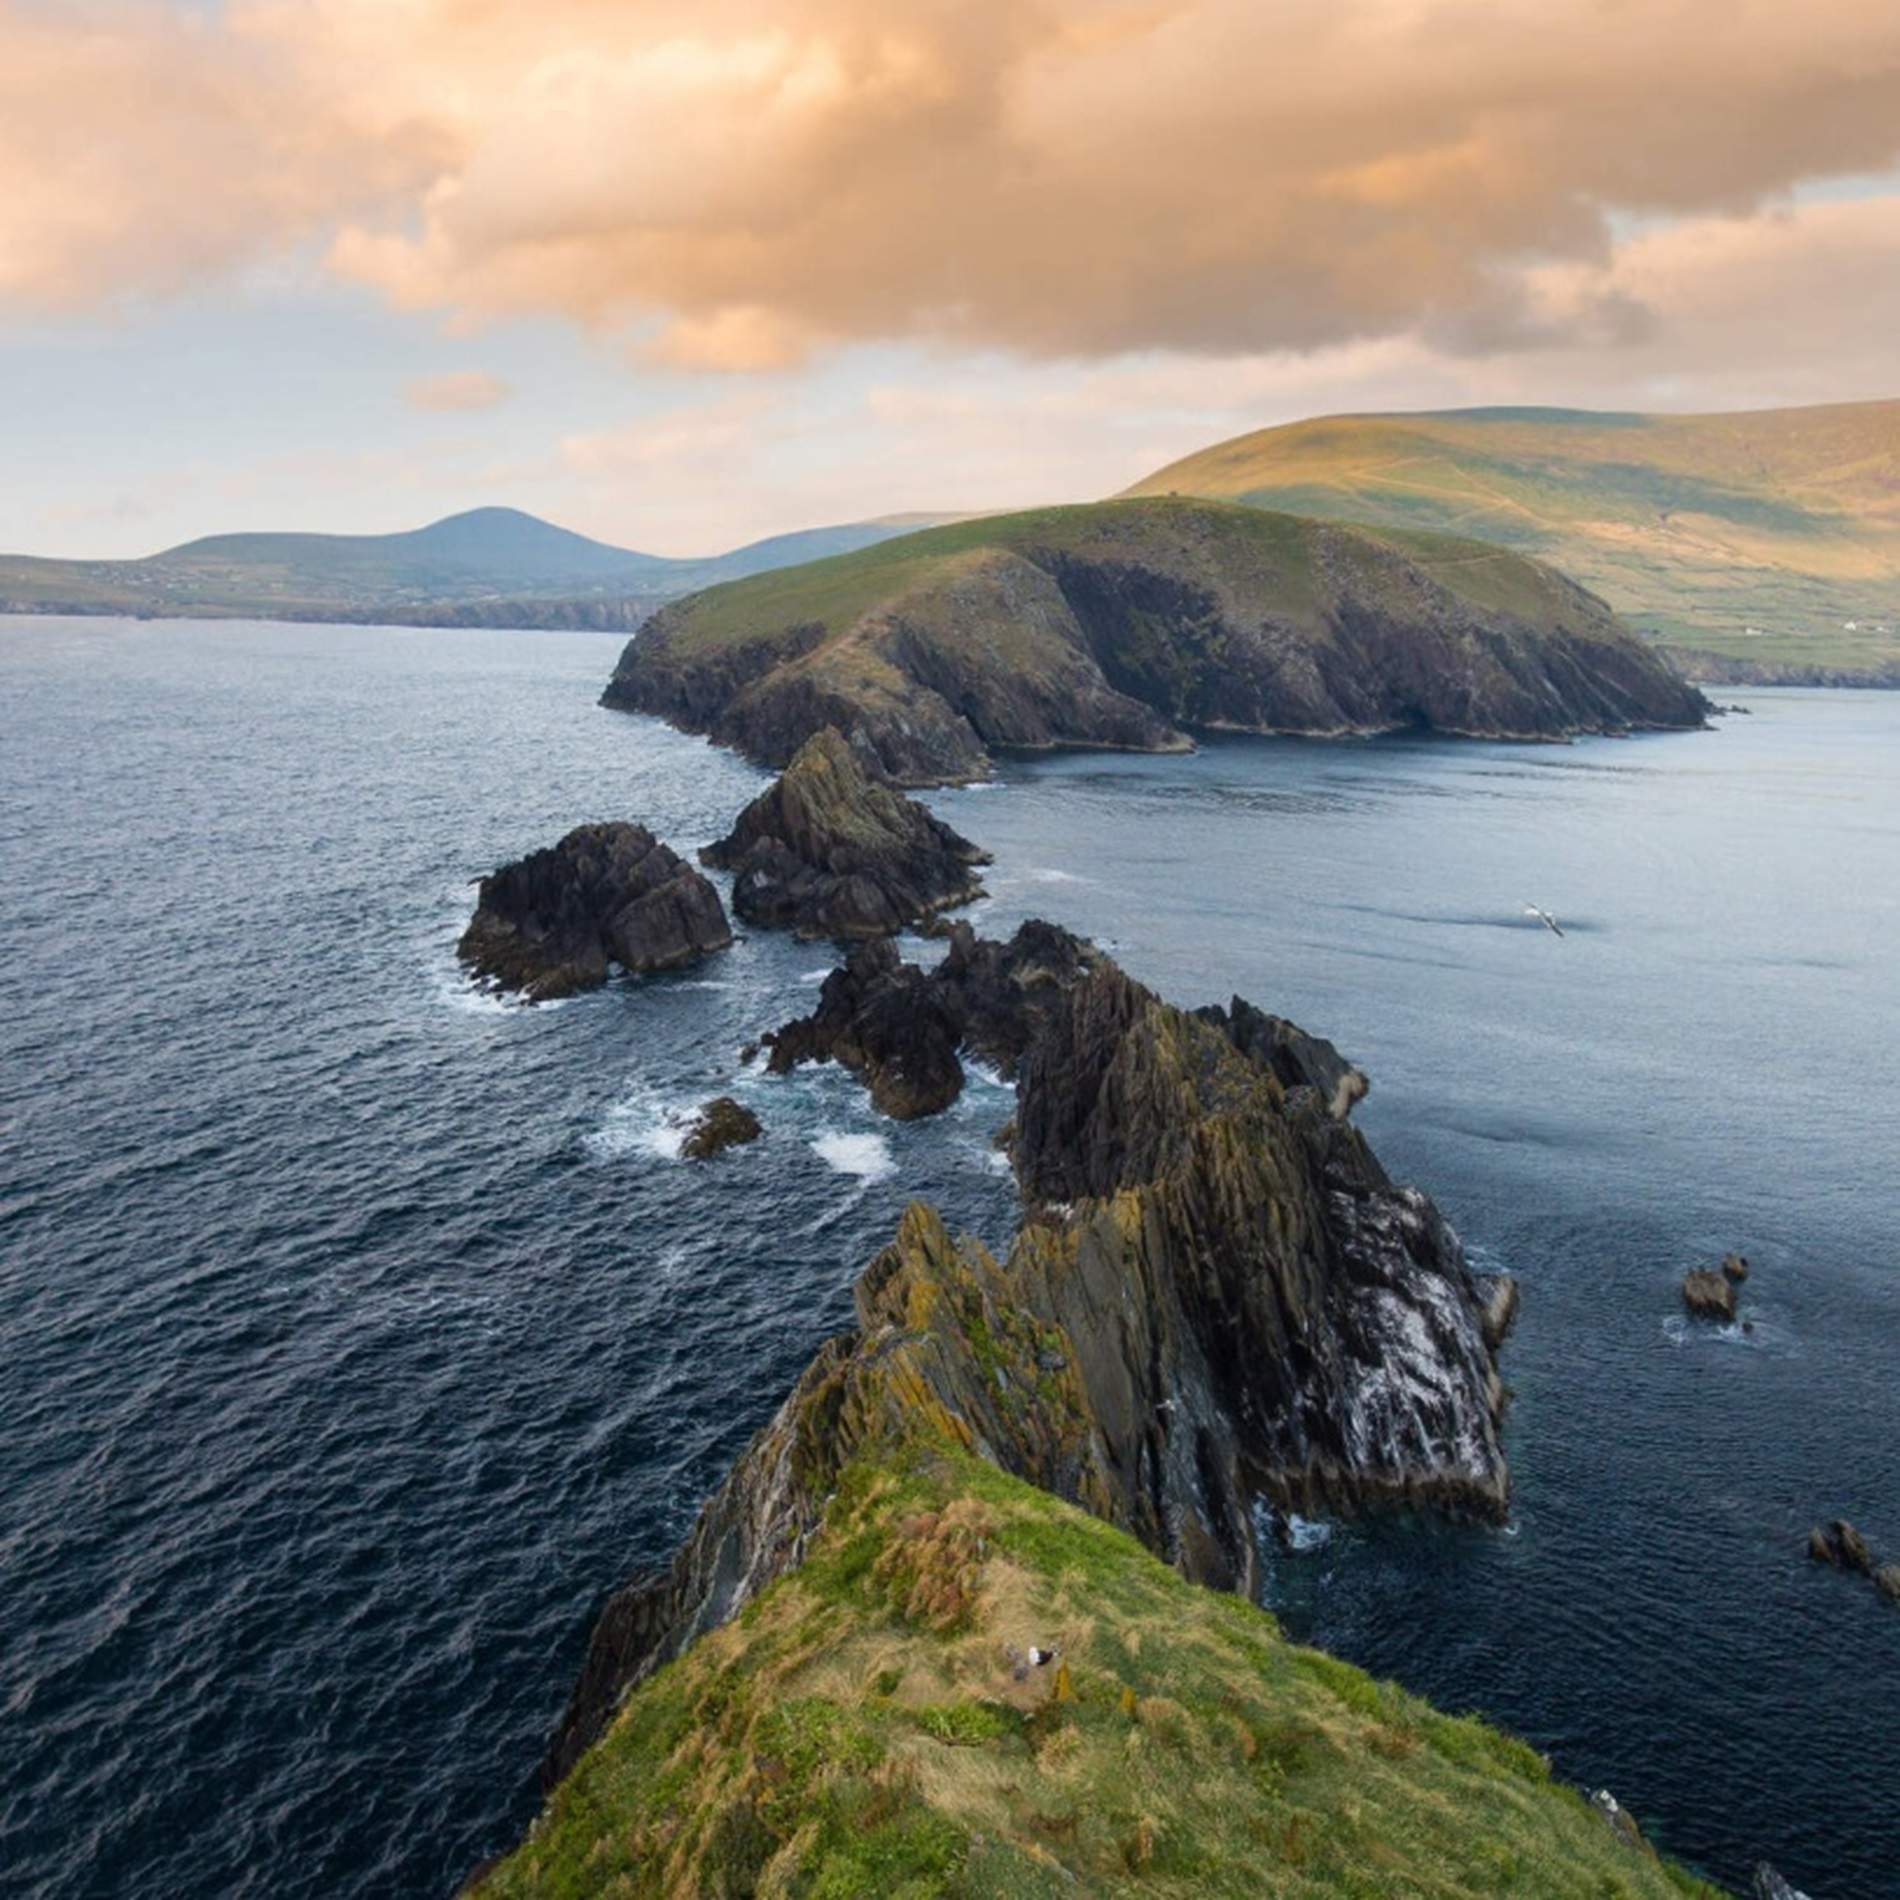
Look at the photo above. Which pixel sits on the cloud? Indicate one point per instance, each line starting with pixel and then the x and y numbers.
pixel 457 390
pixel 736 183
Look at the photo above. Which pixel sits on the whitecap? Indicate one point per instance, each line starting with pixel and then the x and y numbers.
pixel 868 1157
pixel 813 976
pixel 975 1071
pixel 640 1125
pixel 1306 1533
pixel 1047 874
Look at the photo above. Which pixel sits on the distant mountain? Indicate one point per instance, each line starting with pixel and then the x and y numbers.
pixel 492 566
pixel 1785 522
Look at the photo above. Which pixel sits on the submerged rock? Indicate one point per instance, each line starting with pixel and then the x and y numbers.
pixel 721 1124
pixel 556 921
pixel 1217 1298
pixel 827 851
pixel 1840 1544
pixel 1708 1294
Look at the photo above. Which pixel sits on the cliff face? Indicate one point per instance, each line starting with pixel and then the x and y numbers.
pixel 1216 1298
pixel 1130 624
pixel 558 920
pixel 827 852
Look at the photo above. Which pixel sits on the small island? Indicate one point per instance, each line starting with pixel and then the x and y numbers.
pixel 607 896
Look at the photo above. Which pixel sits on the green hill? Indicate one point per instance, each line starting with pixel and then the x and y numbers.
pixel 1130 623
pixel 1760 533
pixel 865 1728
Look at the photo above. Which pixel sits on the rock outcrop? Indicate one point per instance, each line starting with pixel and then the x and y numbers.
pixel 900 1028
pixel 1840 1544
pixel 1708 1293
pixel 1217 1297
pixel 559 920
pixel 721 1124
pixel 1735 1267
pixel 1767 1884
pixel 827 851
pixel 1131 624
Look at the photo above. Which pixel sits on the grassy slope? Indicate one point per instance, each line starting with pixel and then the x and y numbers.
pixel 1242 548
pixel 859 1731
pixel 1696 526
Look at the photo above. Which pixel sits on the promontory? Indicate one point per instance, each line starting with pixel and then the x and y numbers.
pixel 1131 624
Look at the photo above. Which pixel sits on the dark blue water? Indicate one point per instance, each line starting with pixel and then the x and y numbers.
pixel 356 1334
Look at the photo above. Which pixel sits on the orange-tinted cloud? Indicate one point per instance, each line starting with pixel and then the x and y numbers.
pixel 457 390
pixel 740 181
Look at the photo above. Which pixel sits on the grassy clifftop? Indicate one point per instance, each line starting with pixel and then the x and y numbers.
pixel 867 1726
pixel 1127 623
pixel 1700 527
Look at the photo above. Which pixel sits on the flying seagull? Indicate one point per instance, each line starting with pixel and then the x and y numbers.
pixel 1545 918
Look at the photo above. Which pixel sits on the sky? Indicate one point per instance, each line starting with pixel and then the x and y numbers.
pixel 681 275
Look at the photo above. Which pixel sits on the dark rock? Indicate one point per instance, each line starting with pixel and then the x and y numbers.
pixel 900 1028
pixel 1299 1060
pixel 886 1022
pixel 556 921
pixel 1708 1294
pixel 827 851
pixel 1840 1544
pixel 1887 1582
pixel 1735 1267
pixel 721 1124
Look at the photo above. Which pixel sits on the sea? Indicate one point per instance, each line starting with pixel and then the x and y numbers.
pixel 360 1331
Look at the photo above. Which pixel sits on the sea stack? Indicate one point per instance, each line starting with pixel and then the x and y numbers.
pixel 612 895
pixel 828 851
pixel 1709 1293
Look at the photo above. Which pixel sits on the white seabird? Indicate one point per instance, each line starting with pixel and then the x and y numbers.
pixel 1545 918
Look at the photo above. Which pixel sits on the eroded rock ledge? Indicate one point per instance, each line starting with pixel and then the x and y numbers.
pixel 557 921
pixel 1216 1298
pixel 828 852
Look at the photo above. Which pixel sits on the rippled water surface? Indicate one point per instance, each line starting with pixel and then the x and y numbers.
pixel 357 1333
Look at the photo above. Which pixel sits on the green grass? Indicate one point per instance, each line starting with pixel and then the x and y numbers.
pixel 832 1742
pixel 1696 527
pixel 1244 551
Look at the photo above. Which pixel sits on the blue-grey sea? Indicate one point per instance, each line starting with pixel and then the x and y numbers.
pixel 359 1332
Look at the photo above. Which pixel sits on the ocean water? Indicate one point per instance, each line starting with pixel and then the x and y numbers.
pixel 358 1332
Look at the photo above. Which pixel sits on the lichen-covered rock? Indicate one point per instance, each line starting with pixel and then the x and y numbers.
pixel 827 851
pixel 1708 1294
pixel 721 1124
pixel 1840 1544
pixel 1217 1298
pixel 560 919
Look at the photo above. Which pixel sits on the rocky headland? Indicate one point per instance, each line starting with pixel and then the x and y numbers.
pixel 612 895
pixel 1132 624
pixel 826 851
pixel 1217 1298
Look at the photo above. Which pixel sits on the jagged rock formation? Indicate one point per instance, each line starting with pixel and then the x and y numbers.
pixel 1769 1885
pixel 899 1028
pixel 1129 624
pixel 828 852
pixel 558 920
pixel 721 1124
pixel 1217 1297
